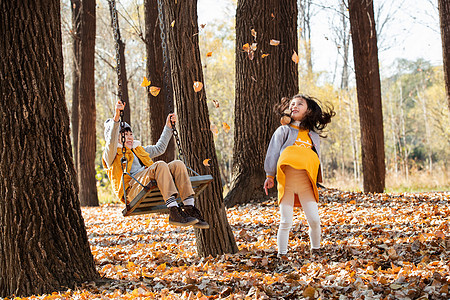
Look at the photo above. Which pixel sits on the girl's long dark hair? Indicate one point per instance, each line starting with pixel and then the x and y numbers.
pixel 317 117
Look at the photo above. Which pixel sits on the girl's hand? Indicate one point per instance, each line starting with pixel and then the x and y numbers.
pixel 268 184
pixel 118 107
pixel 171 118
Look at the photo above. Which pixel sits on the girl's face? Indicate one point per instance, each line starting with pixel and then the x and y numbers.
pixel 128 139
pixel 298 108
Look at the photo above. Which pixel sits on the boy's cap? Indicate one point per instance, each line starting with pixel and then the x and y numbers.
pixel 109 125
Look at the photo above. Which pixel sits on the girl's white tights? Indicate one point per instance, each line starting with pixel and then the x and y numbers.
pixel 297 182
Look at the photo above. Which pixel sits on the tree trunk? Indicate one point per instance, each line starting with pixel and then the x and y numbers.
pixel 158 106
pixel 76 32
pixel 43 242
pixel 444 16
pixel 365 53
pixel 123 80
pixel 87 111
pixel 260 84
pixel 197 140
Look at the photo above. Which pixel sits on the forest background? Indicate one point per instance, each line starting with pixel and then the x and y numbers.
pixel 416 119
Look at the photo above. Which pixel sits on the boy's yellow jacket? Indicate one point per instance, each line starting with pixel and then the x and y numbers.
pixel 115 171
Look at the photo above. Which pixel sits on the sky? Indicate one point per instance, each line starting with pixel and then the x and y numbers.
pixel 413 32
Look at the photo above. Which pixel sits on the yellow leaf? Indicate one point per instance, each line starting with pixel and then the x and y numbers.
pixel 246 47
pixel 209 54
pixel 295 57
pixel 172 24
pixel 274 42
pixel 145 82
pixel 264 55
pixel 226 127
pixel 198 86
pixel 206 162
pixel 154 90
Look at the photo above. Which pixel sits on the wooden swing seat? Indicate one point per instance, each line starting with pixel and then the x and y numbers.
pixel 150 200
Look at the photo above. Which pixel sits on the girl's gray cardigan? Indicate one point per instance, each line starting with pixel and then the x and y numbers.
pixel 283 137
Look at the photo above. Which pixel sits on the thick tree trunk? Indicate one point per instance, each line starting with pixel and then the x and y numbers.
pixel 43 241
pixel 76 32
pixel 444 16
pixel 87 111
pixel 197 140
pixel 260 84
pixel 365 53
pixel 123 80
pixel 159 108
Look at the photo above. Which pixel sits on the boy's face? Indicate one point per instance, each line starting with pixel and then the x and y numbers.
pixel 128 139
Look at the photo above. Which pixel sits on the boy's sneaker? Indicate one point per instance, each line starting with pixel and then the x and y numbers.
pixel 193 211
pixel 178 218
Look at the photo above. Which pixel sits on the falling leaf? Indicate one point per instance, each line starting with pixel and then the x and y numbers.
pixel 246 47
pixel 272 15
pixel 226 127
pixel 295 57
pixel 209 54
pixel 214 129
pixel 253 78
pixel 206 162
pixel 202 26
pixel 254 33
pixel 172 24
pixel 154 90
pixel 145 82
pixel 251 55
pixel 198 86
pixel 254 46
pixel 274 42
pixel 216 103
pixel 264 55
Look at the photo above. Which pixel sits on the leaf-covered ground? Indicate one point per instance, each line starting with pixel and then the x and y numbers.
pixel 382 246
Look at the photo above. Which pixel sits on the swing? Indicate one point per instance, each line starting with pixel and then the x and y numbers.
pixel 149 199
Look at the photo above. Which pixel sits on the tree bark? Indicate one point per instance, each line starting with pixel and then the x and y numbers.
pixel 444 17
pixel 365 53
pixel 87 111
pixel 197 139
pixel 260 84
pixel 158 106
pixel 43 241
pixel 123 80
pixel 76 32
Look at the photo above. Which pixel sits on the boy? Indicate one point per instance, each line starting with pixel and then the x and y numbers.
pixel 168 176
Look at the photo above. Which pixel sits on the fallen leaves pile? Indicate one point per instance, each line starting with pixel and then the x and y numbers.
pixel 375 246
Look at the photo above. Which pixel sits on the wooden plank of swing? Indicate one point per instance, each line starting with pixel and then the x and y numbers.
pixel 151 201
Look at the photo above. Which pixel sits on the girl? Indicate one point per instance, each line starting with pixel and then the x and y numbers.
pixel 293 155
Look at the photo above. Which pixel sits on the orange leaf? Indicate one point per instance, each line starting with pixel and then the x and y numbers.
pixel 295 57
pixel 214 129
pixel 264 55
pixel 154 90
pixel 254 33
pixel 246 47
pixel 272 15
pixel 226 127
pixel 202 25
pixel 198 86
pixel 209 54
pixel 206 162
pixel 309 292
pixel 274 42
pixel 145 82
